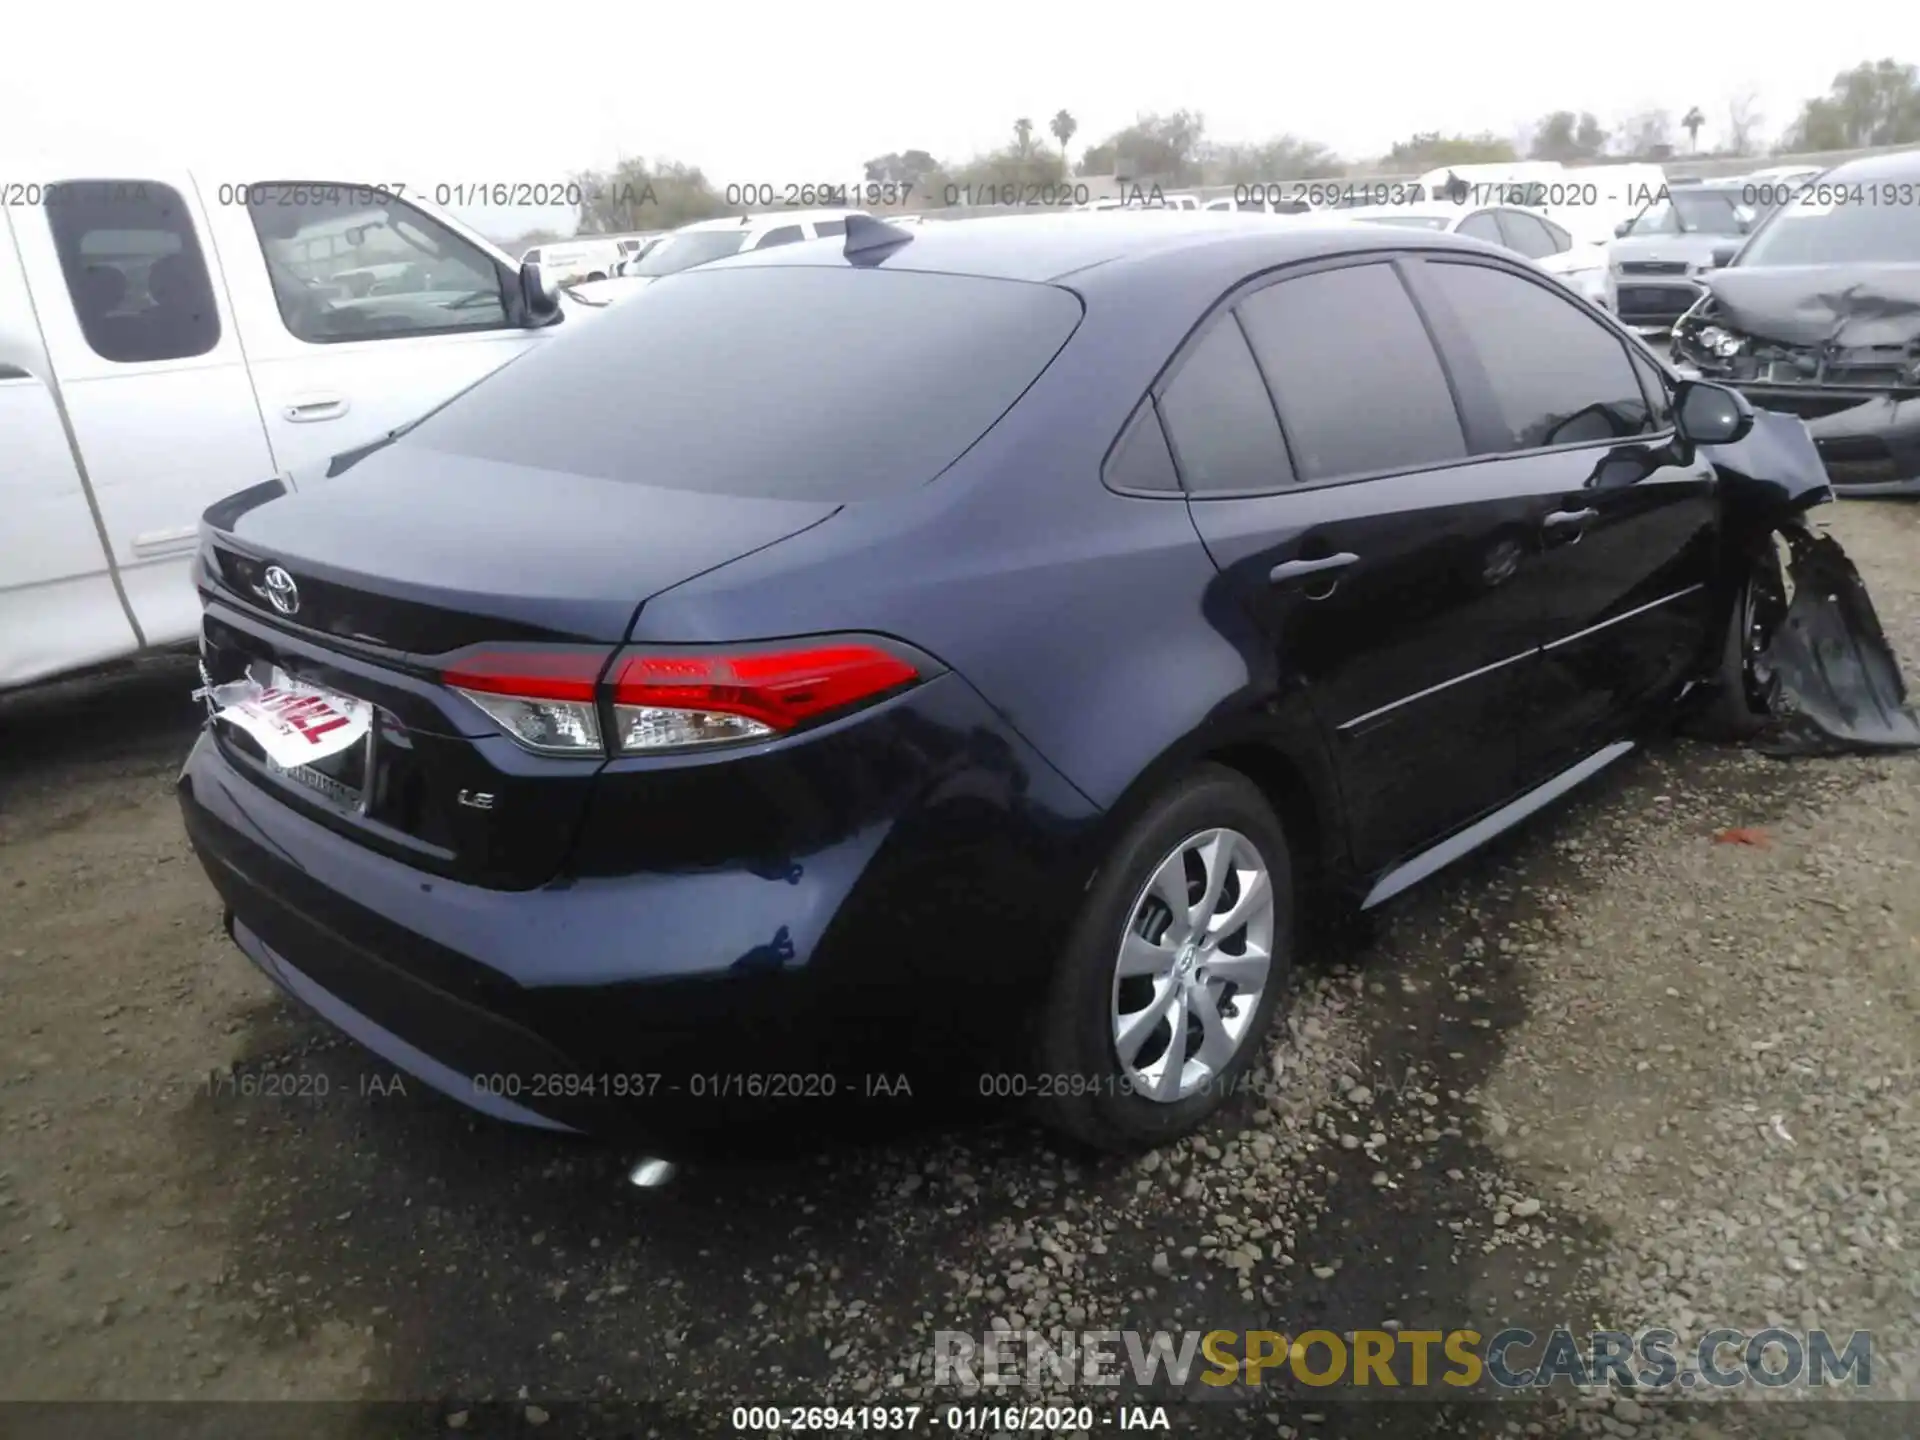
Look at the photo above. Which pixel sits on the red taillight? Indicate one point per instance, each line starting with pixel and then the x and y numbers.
pixel 663 700
pixel 666 699
pixel 779 689
pixel 544 698
pixel 529 674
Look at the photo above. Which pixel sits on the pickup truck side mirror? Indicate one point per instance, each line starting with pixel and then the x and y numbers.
pixel 1723 255
pixel 539 295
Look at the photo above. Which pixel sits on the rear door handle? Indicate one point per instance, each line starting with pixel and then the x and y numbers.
pixel 316 407
pixel 1294 569
pixel 1563 519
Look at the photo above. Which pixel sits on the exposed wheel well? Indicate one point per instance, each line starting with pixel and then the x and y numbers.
pixel 1288 793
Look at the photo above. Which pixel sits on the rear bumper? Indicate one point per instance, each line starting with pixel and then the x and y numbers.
pixel 575 1005
pixel 1869 442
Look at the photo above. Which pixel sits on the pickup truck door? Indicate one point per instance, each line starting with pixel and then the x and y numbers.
pixel 59 598
pixel 144 348
pixel 360 310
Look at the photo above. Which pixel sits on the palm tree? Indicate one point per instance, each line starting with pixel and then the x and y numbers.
pixel 1692 125
pixel 1063 126
pixel 1023 136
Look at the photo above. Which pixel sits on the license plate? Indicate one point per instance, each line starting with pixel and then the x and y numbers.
pixel 295 724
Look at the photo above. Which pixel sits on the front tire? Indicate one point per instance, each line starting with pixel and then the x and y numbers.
pixel 1174 969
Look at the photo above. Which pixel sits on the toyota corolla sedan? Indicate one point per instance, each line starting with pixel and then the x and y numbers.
pixel 977 642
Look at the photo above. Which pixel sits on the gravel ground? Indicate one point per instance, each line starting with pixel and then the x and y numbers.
pixel 1609 1073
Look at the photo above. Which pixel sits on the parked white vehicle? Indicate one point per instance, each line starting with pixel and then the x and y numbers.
pixel 1582 267
pixel 706 240
pixel 1264 205
pixel 169 338
pixel 565 261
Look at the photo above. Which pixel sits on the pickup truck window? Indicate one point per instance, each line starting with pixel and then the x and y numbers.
pixel 351 262
pixel 134 270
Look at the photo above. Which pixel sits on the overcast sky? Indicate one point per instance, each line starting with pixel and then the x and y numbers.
pixel 761 92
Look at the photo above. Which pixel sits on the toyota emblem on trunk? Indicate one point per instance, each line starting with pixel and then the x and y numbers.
pixel 281 591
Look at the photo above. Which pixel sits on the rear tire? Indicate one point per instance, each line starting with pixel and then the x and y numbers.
pixel 1107 1073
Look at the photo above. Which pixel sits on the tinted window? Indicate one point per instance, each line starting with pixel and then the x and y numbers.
pixel 1220 420
pixel 778 380
pixel 1693 212
pixel 1482 226
pixel 785 235
pixel 1526 234
pixel 1558 376
pixel 1359 385
pixel 133 269
pixel 532 257
pixel 1141 461
pixel 352 262
pixel 824 228
pixel 1653 382
pixel 1561 240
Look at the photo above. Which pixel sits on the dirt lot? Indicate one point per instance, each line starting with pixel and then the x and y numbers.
pixel 1610 1073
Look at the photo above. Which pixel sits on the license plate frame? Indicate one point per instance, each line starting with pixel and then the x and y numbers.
pixel 345 777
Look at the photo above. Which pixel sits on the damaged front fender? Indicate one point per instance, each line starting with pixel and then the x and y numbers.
pixel 1806 668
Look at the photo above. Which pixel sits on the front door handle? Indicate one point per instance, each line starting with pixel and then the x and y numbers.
pixel 1294 569
pixel 316 407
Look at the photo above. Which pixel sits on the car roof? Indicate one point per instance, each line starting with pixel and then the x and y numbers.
pixel 1051 246
pixel 1900 165
pixel 1424 209
pixel 764 220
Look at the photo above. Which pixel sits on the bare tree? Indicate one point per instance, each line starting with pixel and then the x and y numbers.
pixel 1743 122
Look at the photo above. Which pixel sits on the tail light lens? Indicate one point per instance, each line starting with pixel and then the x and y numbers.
pixel 663 700
pixel 549 699
pixel 545 699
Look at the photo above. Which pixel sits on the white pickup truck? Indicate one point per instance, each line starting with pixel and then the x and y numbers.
pixel 167 339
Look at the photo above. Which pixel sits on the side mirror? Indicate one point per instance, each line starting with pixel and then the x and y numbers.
pixel 539 294
pixel 1723 255
pixel 1620 230
pixel 1709 414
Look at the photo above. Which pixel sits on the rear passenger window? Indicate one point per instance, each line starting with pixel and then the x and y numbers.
pixel 1526 234
pixel 785 235
pixel 1359 386
pixel 1141 461
pixel 1482 226
pixel 824 228
pixel 134 269
pixel 1558 376
pixel 1220 420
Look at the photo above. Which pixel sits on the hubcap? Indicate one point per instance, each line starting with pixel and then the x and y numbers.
pixel 1193 964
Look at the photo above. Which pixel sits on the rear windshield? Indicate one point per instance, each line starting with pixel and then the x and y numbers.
pixel 1840 224
pixel 696 247
pixel 801 382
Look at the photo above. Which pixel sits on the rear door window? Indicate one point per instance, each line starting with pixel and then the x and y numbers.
pixel 1220 419
pixel 134 269
pixel 1359 385
pixel 781 381
pixel 784 235
pixel 824 228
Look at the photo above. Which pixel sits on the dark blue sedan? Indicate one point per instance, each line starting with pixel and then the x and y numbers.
pixel 976 643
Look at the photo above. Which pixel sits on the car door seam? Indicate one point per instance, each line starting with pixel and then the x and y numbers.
pixel 73 439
